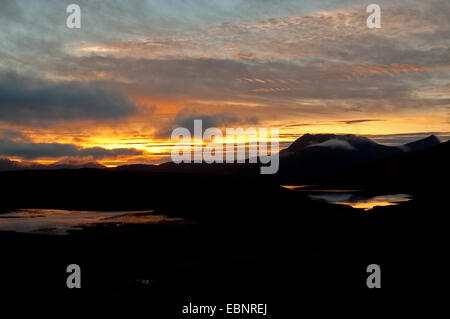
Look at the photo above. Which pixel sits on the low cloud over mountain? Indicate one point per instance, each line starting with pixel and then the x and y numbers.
pixel 30 151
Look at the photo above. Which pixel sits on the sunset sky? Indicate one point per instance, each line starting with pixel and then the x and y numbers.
pixel 114 90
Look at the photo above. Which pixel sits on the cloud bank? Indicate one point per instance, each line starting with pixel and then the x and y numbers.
pixel 32 151
pixel 31 101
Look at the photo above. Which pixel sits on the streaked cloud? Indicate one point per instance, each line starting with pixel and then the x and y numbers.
pixel 357 121
pixel 136 69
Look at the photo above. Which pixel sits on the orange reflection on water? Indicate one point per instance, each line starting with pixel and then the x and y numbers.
pixel 361 202
pixel 295 187
pixel 60 222
pixel 369 204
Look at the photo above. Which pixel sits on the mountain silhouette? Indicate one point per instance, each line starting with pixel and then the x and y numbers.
pixel 423 144
pixel 416 166
pixel 323 153
pixel 310 140
pixel 132 187
pixel 310 154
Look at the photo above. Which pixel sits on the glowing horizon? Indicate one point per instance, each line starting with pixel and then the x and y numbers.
pixel 113 90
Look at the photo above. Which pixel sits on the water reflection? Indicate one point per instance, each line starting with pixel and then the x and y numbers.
pixel 353 198
pixel 61 221
pixel 362 202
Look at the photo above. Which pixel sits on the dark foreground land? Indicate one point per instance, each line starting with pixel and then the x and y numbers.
pixel 247 240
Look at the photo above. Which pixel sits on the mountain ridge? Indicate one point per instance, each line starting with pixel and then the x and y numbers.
pixel 310 151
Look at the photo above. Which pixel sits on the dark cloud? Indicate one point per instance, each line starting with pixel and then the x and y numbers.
pixel 35 102
pixel 299 61
pixel 185 118
pixel 349 122
pixel 357 121
pixel 13 135
pixel 10 10
pixel 30 151
pixel 330 57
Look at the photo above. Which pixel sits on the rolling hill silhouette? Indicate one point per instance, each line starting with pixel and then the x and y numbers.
pixel 10 165
pixel 311 154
